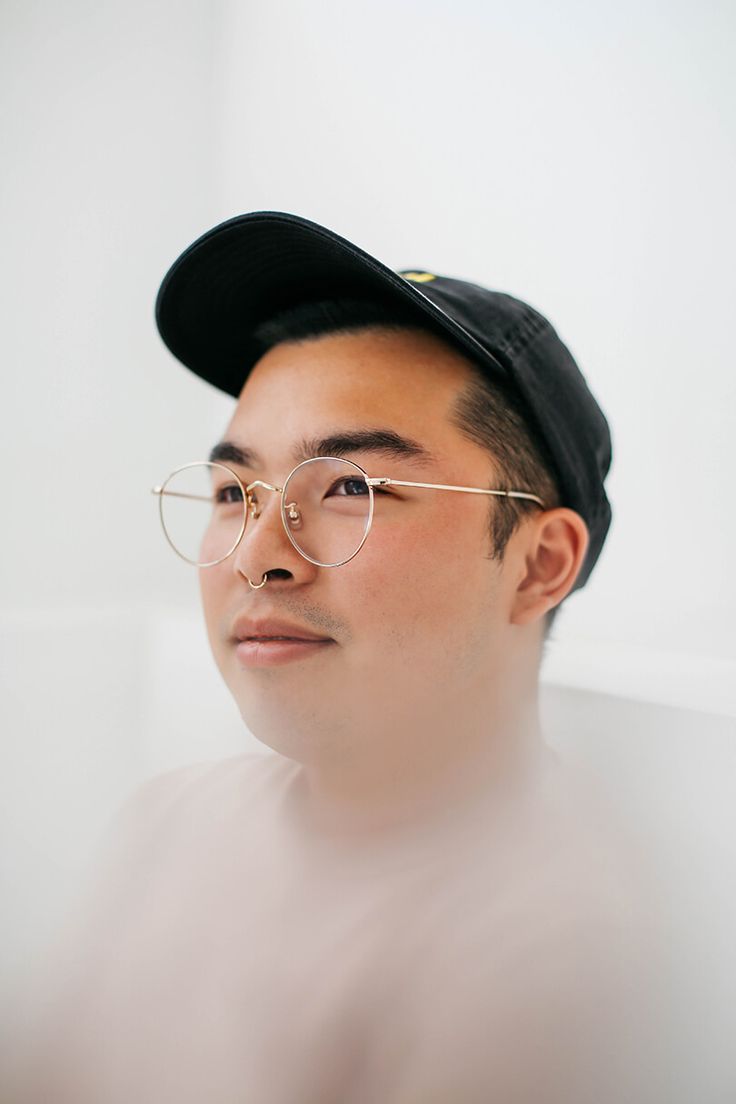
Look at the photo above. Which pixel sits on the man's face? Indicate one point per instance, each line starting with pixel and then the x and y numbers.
pixel 416 625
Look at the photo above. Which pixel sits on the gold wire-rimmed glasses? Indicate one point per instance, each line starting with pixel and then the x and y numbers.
pixel 327 506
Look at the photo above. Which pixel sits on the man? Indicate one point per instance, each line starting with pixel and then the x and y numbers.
pixel 410 901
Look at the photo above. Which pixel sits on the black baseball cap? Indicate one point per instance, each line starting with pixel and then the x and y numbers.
pixel 248 269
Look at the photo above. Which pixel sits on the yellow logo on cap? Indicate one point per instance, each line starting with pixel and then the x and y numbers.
pixel 419 277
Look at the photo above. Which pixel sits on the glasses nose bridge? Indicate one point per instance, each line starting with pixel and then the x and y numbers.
pixel 260 541
pixel 252 502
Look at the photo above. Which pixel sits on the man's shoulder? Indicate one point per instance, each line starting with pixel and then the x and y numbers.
pixel 195 780
pixel 199 794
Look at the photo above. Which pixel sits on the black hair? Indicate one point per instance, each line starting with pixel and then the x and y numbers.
pixel 487 411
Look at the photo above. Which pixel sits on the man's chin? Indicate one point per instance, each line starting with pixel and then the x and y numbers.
pixel 290 726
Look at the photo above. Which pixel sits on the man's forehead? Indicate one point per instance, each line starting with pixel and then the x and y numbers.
pixel 363 361
pixel 408 379
pixel 371 391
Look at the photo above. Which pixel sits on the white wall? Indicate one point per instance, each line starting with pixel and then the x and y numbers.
pixel 579 156
pixel 108 169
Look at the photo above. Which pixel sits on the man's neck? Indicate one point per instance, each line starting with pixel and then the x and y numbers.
pixel 405 779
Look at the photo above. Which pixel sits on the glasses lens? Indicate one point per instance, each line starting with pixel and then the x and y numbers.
pixel 327 510
pixel 203 512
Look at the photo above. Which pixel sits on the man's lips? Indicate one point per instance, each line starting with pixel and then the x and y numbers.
pixel 271 642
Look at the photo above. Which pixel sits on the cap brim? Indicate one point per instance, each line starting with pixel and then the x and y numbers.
pixel 249 268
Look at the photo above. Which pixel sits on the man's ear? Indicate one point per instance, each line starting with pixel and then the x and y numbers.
pixel 555 547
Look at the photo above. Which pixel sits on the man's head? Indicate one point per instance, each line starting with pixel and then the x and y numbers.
pixel 430 618
pixel 439 620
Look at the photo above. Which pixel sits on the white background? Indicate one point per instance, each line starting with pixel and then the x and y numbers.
pixel 578 155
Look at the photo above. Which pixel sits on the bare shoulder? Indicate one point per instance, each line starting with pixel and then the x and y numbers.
pixel 199 789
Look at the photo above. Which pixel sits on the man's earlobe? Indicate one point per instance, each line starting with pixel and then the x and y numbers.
pixel 555 551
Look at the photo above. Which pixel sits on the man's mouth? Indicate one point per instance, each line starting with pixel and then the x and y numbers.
pixel 272 643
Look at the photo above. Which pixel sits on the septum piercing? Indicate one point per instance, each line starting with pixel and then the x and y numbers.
pixel 257 586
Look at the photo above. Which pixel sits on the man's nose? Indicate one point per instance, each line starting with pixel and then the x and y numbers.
pixel 265 545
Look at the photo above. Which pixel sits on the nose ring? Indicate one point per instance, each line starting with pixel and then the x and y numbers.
pixel 257 586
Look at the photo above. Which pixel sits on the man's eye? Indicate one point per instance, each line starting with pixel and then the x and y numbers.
pixel 349 487
pixel 228 495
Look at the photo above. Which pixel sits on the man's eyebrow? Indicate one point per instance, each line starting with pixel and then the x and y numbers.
pixel 340 443
pixel 387 441
pixel 226 452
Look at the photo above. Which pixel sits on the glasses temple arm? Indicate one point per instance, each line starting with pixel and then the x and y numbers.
pixel 385 482
pixel 179 494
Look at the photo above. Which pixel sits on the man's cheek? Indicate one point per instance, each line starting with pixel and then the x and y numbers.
pixel 402 548
pixel 399 587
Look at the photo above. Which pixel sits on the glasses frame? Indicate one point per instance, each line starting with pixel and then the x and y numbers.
pixel 250 504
